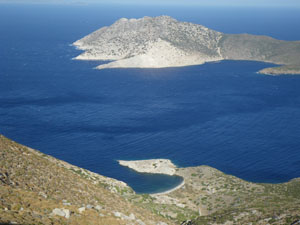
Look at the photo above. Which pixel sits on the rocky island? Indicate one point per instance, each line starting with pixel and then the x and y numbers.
pixel 156 42
pixel 38 189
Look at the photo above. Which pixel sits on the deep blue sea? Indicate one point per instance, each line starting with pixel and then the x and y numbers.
pixel 219 114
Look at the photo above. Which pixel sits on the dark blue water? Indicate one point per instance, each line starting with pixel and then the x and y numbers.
pixel 219 114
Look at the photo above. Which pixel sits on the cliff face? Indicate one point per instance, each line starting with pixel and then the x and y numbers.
pixel 165 42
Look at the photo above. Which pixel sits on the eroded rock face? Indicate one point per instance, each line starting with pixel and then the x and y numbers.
pixel 165 42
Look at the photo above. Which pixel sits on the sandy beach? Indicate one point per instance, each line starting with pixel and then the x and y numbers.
pixel 170 190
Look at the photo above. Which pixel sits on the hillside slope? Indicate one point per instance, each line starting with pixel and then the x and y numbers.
pixel 38 189
pixel 209 196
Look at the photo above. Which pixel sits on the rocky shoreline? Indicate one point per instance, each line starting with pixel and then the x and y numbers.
pixel 161 166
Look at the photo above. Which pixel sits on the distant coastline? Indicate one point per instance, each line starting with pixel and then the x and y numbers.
pixel 159 42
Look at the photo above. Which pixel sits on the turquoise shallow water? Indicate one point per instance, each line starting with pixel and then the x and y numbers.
pixel 218 114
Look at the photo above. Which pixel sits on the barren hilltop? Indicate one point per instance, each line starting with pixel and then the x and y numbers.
pixel 38 189
pixel 155 42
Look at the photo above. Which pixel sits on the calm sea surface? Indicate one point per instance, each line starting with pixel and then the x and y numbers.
pixel 218 114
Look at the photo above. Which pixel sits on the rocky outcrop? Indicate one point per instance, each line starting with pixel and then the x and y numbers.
pixel 292 70
pixel 162 166
pixel 61 212
pixel 165 42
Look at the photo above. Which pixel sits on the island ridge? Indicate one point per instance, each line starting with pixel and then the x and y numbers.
pixel 157 42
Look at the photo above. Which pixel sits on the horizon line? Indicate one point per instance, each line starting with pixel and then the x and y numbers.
pixel 153 3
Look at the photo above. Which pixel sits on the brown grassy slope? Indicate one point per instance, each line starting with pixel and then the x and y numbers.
pixel 209 196
pixel 223 198
pixel 33 184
